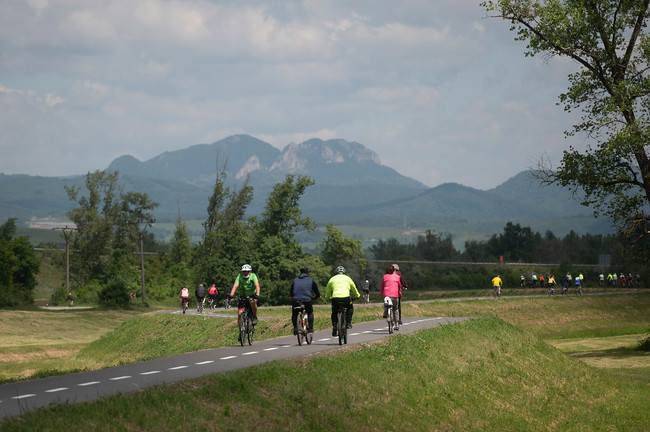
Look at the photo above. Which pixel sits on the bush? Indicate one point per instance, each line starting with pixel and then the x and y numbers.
pixel 115 294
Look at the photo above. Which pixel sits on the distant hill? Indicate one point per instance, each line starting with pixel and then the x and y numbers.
pixel 352 187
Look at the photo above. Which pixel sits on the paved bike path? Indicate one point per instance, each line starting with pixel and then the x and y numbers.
pixel 24 396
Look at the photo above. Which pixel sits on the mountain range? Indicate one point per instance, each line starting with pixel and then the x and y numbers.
pixel 352 187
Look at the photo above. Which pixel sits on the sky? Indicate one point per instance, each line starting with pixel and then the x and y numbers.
pixel 440 92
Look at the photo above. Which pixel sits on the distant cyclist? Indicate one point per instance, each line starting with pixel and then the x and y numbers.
pixel 212 294
pixel 301 290
pixel 391 287
pixel 366 290
pixel 341 290
pixel 497 283
pixel 403 285
pixel 199 293
pixel 184 294
pixel 250 287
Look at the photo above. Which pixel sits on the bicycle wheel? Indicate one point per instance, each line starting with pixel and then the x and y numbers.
pixel 340 325
pixel 300 325
pixel 308 336
pixel 390 320
pixel 242 327
pixel 250 329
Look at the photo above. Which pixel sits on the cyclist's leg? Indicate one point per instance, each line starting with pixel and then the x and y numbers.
pixel 333 316
pixel 309 310
pixel 349 312
pixel 253 304
pixel 294 316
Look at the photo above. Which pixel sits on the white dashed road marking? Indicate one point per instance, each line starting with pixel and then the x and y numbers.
pixel 24 396
pixel 88 383
pixel 227 358
pixel 56 390
pixel 177 367
pixel 120 378
pixel 204 362
pixel 150 373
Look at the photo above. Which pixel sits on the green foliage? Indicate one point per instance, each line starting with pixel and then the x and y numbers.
pixel 338 250
pixel 114 294
pixel 282 214
pixel 107 225
pixel 181 247
pixel 609 41
pixel 18 267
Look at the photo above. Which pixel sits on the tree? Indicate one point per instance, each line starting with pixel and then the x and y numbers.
pixel 18 267
pixel 516 243
pixel 609 41
pixel 180 250
pixel 107 222
pixel 282 214
pixel 433 247
pixel 338 250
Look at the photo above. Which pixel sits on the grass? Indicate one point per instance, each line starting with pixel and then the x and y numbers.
pixel 484 374
pixel 562 363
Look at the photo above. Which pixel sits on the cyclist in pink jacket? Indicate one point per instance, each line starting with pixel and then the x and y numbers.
pixel 391 287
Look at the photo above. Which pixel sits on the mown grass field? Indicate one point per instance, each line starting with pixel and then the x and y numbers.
pixel 564 363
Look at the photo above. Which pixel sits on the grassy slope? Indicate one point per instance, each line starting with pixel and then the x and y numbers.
pixel 484 374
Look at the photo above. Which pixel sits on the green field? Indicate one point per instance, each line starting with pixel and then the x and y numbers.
pixel 563 363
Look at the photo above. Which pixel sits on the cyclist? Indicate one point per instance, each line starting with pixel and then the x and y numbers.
pixel 403 285
pixel 341 289
pixel 184 295
pixel 366 289
pixel 250 288
pixel 301 289
pixel 391 287
pixel 212 294
pixel 70 299
pixel 199 292
pixel 497 283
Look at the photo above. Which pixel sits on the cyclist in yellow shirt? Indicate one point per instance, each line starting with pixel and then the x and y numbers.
pixel 497 283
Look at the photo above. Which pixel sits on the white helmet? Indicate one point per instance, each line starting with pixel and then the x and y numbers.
pixel 340 269
pixel 246 267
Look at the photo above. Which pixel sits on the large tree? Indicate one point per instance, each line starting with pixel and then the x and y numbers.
pixel 107 221
pixel 609 41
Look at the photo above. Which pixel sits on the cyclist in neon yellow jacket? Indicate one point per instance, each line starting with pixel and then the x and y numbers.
pixel 341 289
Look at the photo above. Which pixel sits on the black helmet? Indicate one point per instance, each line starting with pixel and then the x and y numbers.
pixel 304 269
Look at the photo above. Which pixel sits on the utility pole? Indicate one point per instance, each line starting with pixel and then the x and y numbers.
pixel 147 223
pixel 67 231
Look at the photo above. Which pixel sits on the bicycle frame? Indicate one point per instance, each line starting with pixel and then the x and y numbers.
pixel 246 328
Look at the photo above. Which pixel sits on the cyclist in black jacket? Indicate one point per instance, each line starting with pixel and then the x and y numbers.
pixel 301 289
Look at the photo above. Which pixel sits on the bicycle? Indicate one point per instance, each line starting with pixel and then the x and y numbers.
pixel 342 323
pixel 366 298
pixel 301 322
pixel 211 303
pixel 391 317
pixel 551 290
pixel 497 291
pixel 226 303
pixel 199 305
pixel 184 303
pixel 246 327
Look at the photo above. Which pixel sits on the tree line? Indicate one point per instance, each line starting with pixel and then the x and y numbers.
pixel 516 244
pixel 109 223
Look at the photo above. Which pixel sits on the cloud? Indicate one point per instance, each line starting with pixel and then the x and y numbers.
pixel 84 82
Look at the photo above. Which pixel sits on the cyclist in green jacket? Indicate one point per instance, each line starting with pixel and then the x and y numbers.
pixel 250 286
pixel 341 289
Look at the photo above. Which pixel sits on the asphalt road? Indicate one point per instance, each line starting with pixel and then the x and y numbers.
pixel 24 396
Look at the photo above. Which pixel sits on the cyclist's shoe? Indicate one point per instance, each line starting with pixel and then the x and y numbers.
pixel 400 322
pixel 295 331
pixel 396 327
pixel 239 338
pixel 334 331
pixel 349 326
pixel 310 330
pixel 254 320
